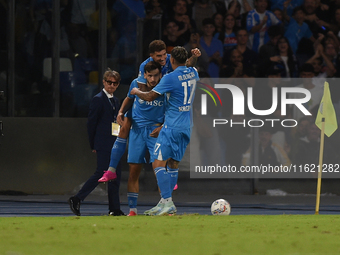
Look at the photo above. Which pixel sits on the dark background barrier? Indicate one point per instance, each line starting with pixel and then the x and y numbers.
pixel 52 156
pixel 44 155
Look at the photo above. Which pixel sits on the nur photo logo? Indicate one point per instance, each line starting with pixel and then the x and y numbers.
pixel 280 98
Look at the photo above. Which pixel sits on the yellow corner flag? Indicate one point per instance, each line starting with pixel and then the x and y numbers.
pixel 326 121
pixel 326 111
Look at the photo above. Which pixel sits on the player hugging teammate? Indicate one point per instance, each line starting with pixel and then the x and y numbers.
pixel 180 83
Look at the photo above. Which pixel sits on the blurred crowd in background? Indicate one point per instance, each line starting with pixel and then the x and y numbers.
pixel 238 38
pixel 284 39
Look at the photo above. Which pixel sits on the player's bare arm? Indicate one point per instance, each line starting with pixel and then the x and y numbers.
pixel 126 105
pixel 146 96
pixel 192 61
pixel 142 86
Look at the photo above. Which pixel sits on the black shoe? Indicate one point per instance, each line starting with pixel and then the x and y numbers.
pixel 74 203
pixel 116 213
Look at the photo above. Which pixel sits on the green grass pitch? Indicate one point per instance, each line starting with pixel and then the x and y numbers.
pixel 180 234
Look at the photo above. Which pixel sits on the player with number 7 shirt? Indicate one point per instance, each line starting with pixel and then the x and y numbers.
pixel 179 90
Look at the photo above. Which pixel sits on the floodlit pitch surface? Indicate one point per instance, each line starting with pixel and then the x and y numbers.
pixel 180 234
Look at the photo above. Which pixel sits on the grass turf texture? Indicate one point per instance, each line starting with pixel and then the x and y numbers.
pixel 181 234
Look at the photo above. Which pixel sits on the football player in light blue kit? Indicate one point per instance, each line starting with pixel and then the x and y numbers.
pixel 147 118
pixel 158 54
pixel 157 49
pixel 179 87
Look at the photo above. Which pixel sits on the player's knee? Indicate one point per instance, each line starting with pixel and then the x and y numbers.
pixel 134 175
pixel 124 132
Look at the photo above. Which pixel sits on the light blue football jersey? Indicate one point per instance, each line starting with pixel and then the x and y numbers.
pixel 178 87
pixel 146 113
pixel 167 68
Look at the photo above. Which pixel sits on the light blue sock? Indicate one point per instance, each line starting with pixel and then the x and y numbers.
pixel 163 181
pixel 132 199
pixel 117 151
pixel 173 173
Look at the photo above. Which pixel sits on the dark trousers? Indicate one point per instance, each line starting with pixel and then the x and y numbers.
pixel 103 161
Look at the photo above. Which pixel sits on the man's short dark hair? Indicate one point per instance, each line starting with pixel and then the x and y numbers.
pixel 299 8
pixel 208 21
pixel 306 67
pixel 156 45
pixel 180 54
pixel 169 21
pixel 152 65
pixel 241 29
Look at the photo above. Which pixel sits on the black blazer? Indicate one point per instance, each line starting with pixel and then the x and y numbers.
pixel 99 124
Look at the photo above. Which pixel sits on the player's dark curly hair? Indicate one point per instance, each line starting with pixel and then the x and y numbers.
pixel 180 54
pixel 156 45
pixel 152 65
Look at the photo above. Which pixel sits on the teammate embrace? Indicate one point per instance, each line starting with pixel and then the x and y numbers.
pixel 152 113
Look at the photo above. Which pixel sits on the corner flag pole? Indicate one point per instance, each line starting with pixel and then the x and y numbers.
pixel 327 122
pixel 320 167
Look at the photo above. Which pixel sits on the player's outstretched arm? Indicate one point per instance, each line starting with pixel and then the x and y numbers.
pixel 192 61
pixel 146 96
pixel 126 105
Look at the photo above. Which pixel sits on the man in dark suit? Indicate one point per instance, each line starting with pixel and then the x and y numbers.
pixel 102 114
